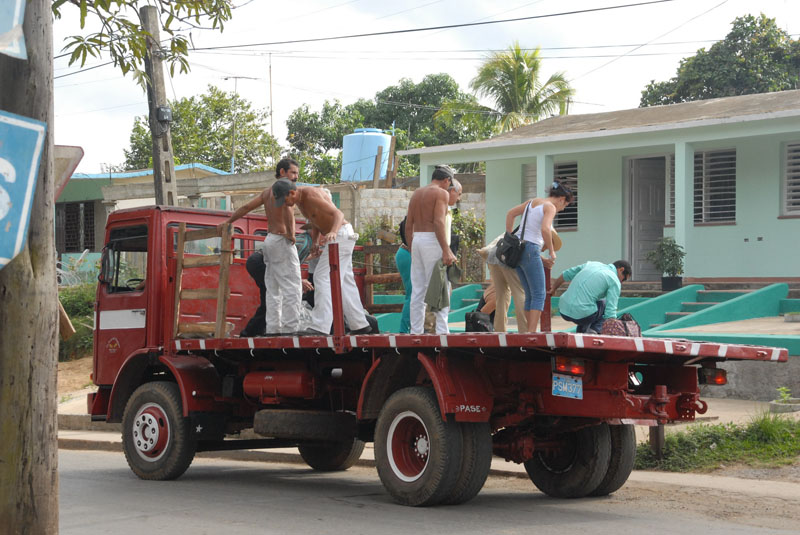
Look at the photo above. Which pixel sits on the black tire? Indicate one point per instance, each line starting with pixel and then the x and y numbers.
pixel 157 440
pixel 623 456
pixel 577 468
pixel 331 456
pixel 306 425
pixel 476 460
pixel 418 455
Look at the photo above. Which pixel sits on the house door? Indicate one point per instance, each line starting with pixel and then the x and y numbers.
pixel 647 179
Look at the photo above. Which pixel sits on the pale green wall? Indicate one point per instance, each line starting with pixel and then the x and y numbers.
pixel 502 193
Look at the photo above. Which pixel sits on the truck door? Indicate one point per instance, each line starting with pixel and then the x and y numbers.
pixel 121 315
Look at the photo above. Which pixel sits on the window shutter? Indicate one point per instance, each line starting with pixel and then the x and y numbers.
pixel 528 181
pixel 715 186
pixel 670 211
pixel 791 195
pixel 567 174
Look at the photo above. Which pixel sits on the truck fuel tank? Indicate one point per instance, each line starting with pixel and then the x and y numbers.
pixel 269 386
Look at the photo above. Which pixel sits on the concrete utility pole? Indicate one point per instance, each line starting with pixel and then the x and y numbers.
pixel 160 113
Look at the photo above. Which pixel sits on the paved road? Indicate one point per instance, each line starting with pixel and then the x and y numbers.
pixel 99 495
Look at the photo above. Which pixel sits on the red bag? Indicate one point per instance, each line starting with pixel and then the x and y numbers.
pixel 625 325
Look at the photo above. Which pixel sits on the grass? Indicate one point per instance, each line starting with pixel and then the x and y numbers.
pixel 768 441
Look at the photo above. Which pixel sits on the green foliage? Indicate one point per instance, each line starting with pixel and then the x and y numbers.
pixel 667 257
pixel 470 229
pixel 79 344
pixel 768 440
pixel 511 79
pixel 78 300
pixel 755 57
pixel 123 38
pixel 202 132
pixel 784 394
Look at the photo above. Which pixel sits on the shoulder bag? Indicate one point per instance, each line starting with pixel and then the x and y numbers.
pixel 510 247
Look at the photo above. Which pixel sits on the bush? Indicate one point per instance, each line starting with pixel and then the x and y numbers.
pixel 78 302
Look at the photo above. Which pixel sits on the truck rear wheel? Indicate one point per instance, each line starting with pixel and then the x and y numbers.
pixel 331 456
pixel 418 455
pixel 156 438
pixel 476 460
pixel 623 456
pixel 576 468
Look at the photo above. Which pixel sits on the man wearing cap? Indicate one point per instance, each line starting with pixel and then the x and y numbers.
pixel 282 279
pixel 593 294
pixel 427 237
pixel 328 226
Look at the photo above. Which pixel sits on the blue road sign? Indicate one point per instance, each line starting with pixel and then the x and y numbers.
pixel 21 144
pixel 12 41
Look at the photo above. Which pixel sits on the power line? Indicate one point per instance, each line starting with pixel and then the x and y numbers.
pixel 447 26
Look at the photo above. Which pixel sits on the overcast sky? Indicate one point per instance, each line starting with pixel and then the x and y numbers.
pixel 608 55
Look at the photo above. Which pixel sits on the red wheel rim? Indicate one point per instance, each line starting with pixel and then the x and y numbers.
pixel 150 432
pixel 408 446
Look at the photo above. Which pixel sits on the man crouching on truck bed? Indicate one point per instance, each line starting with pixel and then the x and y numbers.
pixel 282 277
pixel 327 225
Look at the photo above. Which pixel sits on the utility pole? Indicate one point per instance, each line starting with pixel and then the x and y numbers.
pixel 160 113
pixel 233 112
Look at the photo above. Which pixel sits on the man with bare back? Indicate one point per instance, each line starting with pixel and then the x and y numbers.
pixel 282 278
pixel 327 225
pixel 427 238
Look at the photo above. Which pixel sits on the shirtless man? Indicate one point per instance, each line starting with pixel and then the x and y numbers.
pixel 428 240
pixel 282 278
pixel 328 225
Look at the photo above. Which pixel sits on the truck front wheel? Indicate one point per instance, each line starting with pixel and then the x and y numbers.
pixel 576 467
pixel 156 438
pixel 417 453
pixel 331 456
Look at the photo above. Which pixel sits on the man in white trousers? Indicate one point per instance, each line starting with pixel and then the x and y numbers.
pixel 427 237
pixel 282 277
pixel 328 225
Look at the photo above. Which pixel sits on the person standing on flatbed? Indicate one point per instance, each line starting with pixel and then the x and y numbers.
pixel 427 238
pixel 282 277
pixel 327 226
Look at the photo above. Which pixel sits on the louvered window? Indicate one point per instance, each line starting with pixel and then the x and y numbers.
pixel 670 208
pixel 567 174
pixel 528 181
pixel 791 180
pixel 715 186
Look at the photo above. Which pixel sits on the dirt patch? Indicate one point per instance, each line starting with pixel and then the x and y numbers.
pixel 74 375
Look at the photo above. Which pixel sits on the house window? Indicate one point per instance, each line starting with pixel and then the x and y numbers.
pixel 528 181
pixel 75 227
pixel 715 186
pixel 791 180
pixel 567 174
pixel 670 208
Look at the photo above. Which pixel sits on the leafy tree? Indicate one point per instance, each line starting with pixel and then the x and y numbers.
pixel 511 80
pixel 125 40
pixel 755 57
pixel 319 133
pixel 202 131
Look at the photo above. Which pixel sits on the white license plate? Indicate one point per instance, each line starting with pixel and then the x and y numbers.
pixel 567 386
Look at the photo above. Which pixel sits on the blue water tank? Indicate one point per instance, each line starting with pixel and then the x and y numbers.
pixel 359 151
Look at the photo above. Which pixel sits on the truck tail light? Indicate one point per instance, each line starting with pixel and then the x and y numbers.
pixel 714 376
pixel 568 366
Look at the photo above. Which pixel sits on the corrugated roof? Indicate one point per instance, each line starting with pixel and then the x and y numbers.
pixel 744 107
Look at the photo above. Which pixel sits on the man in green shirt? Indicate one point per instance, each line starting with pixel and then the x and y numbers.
pixel 593 293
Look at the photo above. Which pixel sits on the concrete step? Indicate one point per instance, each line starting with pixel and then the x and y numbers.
pixel 672 316
pixel 695 307
pixel 718 296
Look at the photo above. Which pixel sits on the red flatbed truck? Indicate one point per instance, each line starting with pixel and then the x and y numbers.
pixel 437 407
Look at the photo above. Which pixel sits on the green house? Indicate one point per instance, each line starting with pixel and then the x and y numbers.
pixel 721 176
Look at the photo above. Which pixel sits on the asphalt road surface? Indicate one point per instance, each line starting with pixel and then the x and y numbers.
pixel 100 495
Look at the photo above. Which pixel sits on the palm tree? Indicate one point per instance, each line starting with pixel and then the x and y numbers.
pixel 511 80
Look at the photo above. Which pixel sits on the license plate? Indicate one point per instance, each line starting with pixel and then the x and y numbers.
pixel 567 386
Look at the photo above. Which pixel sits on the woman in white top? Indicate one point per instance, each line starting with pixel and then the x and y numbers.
pixel 537 219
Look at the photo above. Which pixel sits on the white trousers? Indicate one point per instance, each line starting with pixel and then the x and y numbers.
pixel 284 289
pixel 425 252
pixel 322 315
